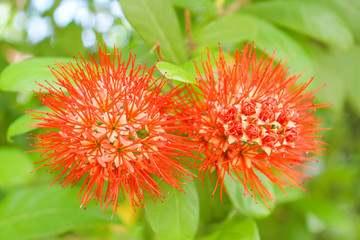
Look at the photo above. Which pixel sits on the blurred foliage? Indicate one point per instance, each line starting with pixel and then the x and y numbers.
pixel 322 36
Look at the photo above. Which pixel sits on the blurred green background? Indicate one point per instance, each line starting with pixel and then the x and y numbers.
pixel 321 36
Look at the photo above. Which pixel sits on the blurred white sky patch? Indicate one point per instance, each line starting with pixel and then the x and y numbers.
pixel 39 28
pixel 42 5
pixel 67 10
pixel 103 22
pixel 5 15
pixel 102 17
pixel 118 35
pixel 88 37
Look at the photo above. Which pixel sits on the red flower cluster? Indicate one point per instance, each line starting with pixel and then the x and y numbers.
pixel 252 118
pixel 108 124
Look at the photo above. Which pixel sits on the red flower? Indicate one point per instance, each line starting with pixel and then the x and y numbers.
pixel 273 128
pixel 108 124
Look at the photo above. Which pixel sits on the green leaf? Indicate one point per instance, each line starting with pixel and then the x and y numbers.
pixel 236 227
pixel 321 214
pixel 219 209
pixel 189 4
pixel 340 71
pixel 178 216
pixel 240 27
pixel 18 127
pixel 272 39
pixel 292 194
pixel 15 167
pixel 174 72
pixel 312 19
pixel 22 76
pixel 349 10
pixel 230 29
pixel 156 20
pixel 44 213
pixel 246 204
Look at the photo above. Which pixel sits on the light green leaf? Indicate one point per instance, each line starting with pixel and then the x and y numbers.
pixel 236 227
pixel 340 71
pixel 292 194
pixel 272 39
pixel 240 27
pixel 194 4
pixel 156 20
pixel 309 18
pixel 246 204
pixel 15 167
pixel 18 127
pixel 230 29
pixel 22 76
pixel 44 213
pixel 174 72
pixel 178 216
pixel 349 10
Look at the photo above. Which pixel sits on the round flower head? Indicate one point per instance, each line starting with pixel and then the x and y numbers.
pixel 251 120
pixel 107 124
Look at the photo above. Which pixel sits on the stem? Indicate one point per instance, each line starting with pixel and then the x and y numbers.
pixel 233 7
pixel 191 44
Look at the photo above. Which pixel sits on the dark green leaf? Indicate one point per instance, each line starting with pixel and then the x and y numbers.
pixel 19 126
pixel 312 19
pixel 174 72
pixel 236 227
pixel 156 20
pixel 22 76
pixel 43 213
pixel 322 214
pixel 178 216
pixel 15 167
pixel 220 208
pixel 246 204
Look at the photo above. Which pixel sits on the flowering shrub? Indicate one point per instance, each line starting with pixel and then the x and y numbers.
pixel 192 120
pixel 250 117
pixel 107 124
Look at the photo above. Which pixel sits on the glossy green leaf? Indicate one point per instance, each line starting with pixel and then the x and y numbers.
pixel 178 216
pixel 236 227
pixel 315 20
pixel 19 126
pixel 230 29
pixel 22 76
pixel 174 72
pixel 246 204
pixel 15 167
pixel 156 21
pixel 44 213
